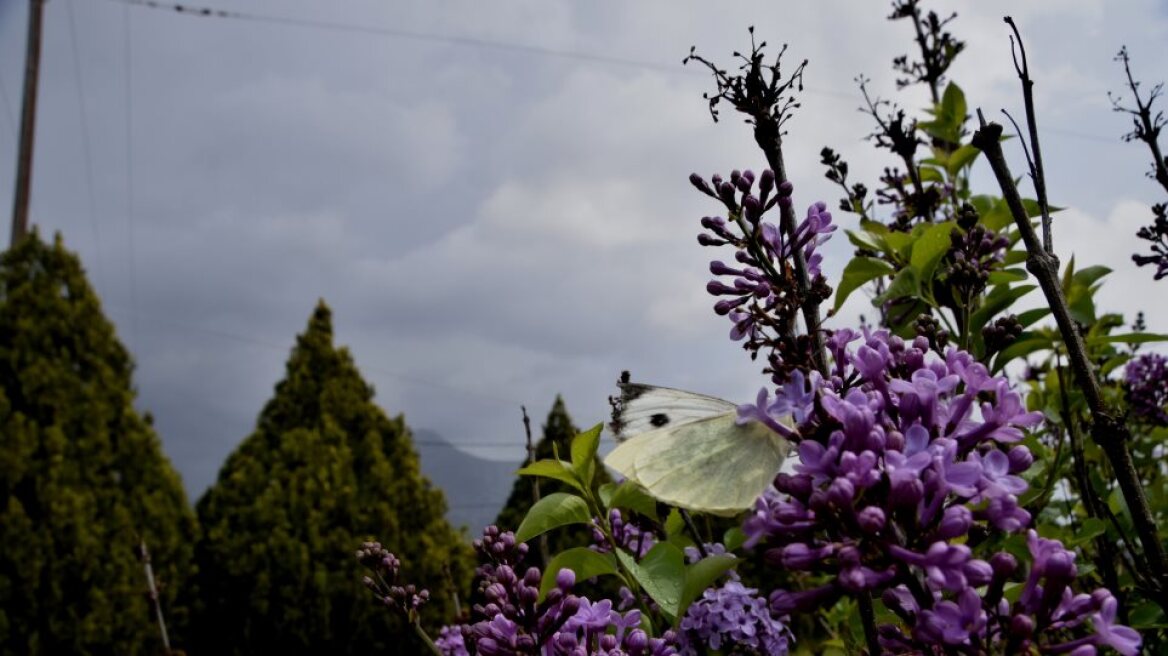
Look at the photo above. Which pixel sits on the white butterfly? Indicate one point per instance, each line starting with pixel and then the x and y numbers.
pixel 688 450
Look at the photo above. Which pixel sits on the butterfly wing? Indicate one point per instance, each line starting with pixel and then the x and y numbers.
pixel 709 465
pixel 645 408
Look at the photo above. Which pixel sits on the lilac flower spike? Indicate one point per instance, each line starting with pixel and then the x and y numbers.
pixel 901 454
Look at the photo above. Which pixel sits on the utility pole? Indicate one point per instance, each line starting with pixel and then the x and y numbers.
pixel 32 60
pixel 152 592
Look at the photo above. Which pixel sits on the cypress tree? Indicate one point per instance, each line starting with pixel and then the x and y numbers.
pixel 558 431
pixel 82 475
pixel 324 470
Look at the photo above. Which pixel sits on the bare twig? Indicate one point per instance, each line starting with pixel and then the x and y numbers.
pixel 1107 430
pixel 1091 502
pixel 762 93
pixel 1145 126
pixel 693 531
pixel 1036 174
pixel 544 556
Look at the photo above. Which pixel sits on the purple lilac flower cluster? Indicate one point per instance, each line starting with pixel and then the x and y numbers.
pixel 975 252
pixel 905 457
pixel 733 618
pixel 511 620
pixel 1147 387
pixel 627 535
pixel 761 299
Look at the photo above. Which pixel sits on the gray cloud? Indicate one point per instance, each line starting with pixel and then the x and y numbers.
pixel 490 226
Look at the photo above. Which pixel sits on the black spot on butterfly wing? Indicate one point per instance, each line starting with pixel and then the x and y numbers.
pixel 659 419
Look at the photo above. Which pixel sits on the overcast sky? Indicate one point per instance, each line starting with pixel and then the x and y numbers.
pixel 491 225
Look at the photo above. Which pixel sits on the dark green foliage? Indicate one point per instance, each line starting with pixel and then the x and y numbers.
pixel 82 474
pixel 558 430
pixel 324 470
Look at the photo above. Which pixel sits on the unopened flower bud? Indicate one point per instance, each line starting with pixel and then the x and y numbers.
pixel 801 556
pixel 766 181
pixel 565 579
pixel 1004 564
pixel 701 185
pixel 906 493
pixel 1020 459
pixel 978 572
pixel 797 486
pixel 871 520
pixel 841 492
pixel 1022 626
pixel 955 522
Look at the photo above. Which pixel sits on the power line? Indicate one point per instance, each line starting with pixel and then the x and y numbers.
pixel 475 42
pixel 87 154
pixel 129 101
pixel 208 12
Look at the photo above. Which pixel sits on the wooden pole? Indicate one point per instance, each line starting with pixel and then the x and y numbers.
pixel 144 556
pixel 32 61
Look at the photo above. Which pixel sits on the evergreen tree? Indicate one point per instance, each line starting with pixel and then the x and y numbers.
pixel 324 470
pixel 82 475
pixel 558 432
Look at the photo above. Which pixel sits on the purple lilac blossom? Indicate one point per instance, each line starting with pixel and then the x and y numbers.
pixel 626 534
pixel 510 619
pixel 758 283
pixel 733 617
pixel 1147 388
pixel 901 452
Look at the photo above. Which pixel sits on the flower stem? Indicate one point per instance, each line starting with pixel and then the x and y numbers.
pixel 1107 430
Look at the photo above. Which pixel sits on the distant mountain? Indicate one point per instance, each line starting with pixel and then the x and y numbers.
pixel 476 488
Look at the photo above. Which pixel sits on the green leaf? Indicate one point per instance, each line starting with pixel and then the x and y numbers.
pixel 1128 338
pixel 866 240
pixel 1006 276
pixel 929 248
pixel 998 300
pixel 661 574
pixel 1091 528
pixel 1148 615
pixel 633 497
pixel 553 511
pixel 674 524
pixel 996 215
pixel 585 562
pixel 961 158
pixel 1029 317
pixel 702 575
pixel 931 174
pixel 1033 210
pixel 584 448
pixel 733 538
pixel 859 271
pixel 555 469
pixel 953 104
pixel 899 244
pixel 904 284
pixel 1090 275
pixel 1020 349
